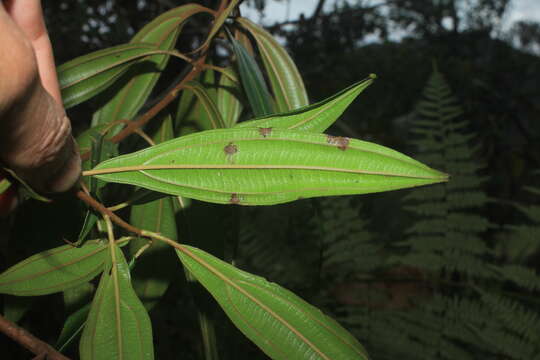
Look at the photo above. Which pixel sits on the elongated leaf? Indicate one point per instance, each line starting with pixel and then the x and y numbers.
pixel 208 81
pixel 95 141
pixel 252 81
pixel 118 326
pixel 218 23
pixel 317 117
pixel 88 75
pixel 154 269
pixel 279 322
pixel 163 32
pixel 197 107
pixel 54 270
pixel 102 149
pixel 265 166
pixel 285 80
pixel 228 98
pixel 241 36
pixel 25 191
pixel 73 326
pixel 185 112
pixel 90 220
pixel 210 118
pixel 88 137
pixel 96 138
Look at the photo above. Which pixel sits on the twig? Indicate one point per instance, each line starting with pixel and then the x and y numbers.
pixel 103 210
pixel 29 341
pixel 167 99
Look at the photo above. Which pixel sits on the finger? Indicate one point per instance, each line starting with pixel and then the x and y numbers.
pixel 28 15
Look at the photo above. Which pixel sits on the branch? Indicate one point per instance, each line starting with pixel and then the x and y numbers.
pixel 171 95
pixel 29 341
pixel 104 211
pixel 318 10
pixel 278 25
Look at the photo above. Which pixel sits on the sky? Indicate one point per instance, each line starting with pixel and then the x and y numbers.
pixel 523 10
pixel 284 10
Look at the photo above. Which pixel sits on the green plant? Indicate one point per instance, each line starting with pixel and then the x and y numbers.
pixel 451 289
pixel 199 151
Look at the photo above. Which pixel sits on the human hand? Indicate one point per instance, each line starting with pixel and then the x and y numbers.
pixel 35 133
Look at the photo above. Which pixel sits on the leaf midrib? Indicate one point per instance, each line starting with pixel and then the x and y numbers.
pixel 142 168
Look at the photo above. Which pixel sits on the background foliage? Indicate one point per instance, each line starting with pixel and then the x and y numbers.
pixel 458 283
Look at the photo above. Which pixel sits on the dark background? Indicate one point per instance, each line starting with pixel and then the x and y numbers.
pixel 493 73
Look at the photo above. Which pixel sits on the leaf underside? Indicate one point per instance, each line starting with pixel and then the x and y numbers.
pixel 283 325
pixel 54 270
pixel 118 326
pixel 266 166
pixel 316 117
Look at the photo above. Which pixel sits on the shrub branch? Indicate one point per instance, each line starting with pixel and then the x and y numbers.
pixel 29 341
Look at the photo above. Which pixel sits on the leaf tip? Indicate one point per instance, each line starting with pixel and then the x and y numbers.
pixel 372 76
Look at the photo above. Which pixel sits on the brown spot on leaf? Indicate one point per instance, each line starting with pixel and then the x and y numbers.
pixel 265 131
pixel 230 149
pixel 341 142
pixel 234 199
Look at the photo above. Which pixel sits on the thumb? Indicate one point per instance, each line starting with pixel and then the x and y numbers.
pixel 37 142
pixel 35 133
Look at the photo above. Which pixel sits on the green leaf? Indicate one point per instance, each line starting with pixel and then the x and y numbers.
pixel 154 269
pixel 285 80
pixel 243 39
pixel 218 23
pixel 206 110
pixel 163 32
pixel 90 220
pixel 94 140
pixel 101 150
pixel 280 323
pixel 197 106
pixel 252 81
pixel 118 326
pixel 228 98
pixel 73 326
pixel 265 166
pixel 87 137
pixel 88 75
pixel 208 81
pixel 54 270
pixel 25 189
pixel 317 117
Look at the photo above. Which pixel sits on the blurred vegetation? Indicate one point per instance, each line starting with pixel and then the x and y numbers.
pixel 357 256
